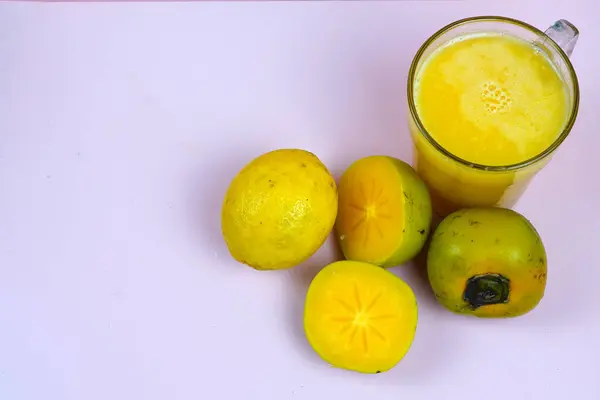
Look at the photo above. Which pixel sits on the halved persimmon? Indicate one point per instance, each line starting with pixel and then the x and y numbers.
pixel 360 317
pixel 384 212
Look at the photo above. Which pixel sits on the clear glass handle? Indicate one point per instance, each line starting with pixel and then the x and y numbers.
pixel 564 34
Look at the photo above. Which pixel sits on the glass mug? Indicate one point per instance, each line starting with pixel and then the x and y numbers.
pixel 455 182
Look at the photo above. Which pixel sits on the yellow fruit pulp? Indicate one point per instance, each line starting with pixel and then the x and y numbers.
pixel 279 209
pixel 370 214
pixel 360 317
pixel 491 99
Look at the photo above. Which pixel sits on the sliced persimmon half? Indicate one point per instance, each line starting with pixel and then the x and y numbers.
pixel 384 211
pixel 360 317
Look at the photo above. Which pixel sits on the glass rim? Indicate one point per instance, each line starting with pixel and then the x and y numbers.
pixel 510 167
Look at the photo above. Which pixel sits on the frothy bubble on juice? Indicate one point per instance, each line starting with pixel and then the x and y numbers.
pixel 491 99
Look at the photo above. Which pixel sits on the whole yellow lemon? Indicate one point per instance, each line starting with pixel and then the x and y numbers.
pixel 279 209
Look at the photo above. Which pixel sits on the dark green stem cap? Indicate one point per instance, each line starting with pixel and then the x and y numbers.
pixel 486 289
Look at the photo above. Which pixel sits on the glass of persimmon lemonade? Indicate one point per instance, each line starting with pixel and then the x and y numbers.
pixel 490 99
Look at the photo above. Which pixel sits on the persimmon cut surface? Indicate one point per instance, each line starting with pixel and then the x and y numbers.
pixel 384 211
pixel 360 317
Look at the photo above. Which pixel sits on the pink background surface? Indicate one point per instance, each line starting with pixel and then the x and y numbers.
pixel 120 128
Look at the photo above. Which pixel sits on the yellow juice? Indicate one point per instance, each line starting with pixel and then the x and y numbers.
pixel 489 99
